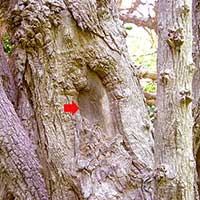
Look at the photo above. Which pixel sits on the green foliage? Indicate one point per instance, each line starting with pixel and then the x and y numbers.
pixel 128 27
pixel 151 111
pixel 7 44
pixel 148 60
pixel 150 87
pixel 142 46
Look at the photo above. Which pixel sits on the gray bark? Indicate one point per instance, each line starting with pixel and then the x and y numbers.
pixel 173 135
pixel 75 50
pixel 20 173
pixel 195 82
pixel 196 51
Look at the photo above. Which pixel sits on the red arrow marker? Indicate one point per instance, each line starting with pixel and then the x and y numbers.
pixel 72 108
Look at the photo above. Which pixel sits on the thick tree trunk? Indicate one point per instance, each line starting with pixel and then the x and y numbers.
pixel 173 139
pixel 20 171
pixel 75 50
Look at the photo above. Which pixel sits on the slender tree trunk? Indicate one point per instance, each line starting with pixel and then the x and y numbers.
pixel 75 50
pixel 196 51
pixel 196 82
pixel 173 135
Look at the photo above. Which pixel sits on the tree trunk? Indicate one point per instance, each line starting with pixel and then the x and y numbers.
pixel 173 135
pixel 63 51
pixel 196 82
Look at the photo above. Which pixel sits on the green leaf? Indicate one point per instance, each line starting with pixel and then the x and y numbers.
pixel 150 87
pixel 7 44
pixel 129 28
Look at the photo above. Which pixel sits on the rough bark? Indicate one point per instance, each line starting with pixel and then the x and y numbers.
pixel 173 135
pixel 19 166
pixel 196 51
pixel 75 50
pixel 196 81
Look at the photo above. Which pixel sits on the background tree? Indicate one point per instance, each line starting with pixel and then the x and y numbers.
pixel 196 81
pixel 173 138
pixel 148 72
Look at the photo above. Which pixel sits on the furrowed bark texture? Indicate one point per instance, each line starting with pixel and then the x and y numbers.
pixel 19 166
pixel 196 81
pixel 196 50
pixel 173 135
pixel 75 50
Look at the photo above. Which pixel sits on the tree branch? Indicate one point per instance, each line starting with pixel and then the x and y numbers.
pixel 149 22
pixel 135 5
pixel 150 98
pixel 145 73
pixel 128 17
